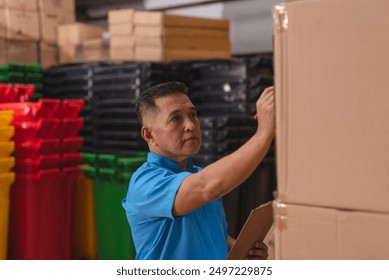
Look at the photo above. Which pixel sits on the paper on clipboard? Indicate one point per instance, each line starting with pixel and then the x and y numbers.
pixel 256 228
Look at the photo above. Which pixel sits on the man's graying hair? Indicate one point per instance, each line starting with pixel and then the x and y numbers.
pixel 146 100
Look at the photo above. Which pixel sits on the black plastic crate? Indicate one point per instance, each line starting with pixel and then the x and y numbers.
pixel 218 96
pixel 224 109
pixel 124 79
pixel 123 134
pixel 228 132
pixel 125 112
pixel 217 122
pixel 68 71
pixel 100 144
pixel 215 69
pixel 221 147
pixel 108 69
pixel 123 123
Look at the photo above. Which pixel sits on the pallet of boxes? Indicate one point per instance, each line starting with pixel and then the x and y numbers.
pixel 52 13
pixel 156 36
pixel 80 42
pixel 19 31
pixel 332 138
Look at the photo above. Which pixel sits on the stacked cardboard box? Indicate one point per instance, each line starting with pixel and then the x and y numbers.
pixel 163 37
pixel 121 27
pixel 19 31
pixel 53 13
pixel 79 42
pixel 332 129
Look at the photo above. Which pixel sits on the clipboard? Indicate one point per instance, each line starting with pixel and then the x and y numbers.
pixel 255 229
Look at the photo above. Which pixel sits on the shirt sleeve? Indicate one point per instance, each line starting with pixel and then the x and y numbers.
pixel 152 192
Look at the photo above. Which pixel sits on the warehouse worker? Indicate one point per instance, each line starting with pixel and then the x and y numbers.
pixel 174 208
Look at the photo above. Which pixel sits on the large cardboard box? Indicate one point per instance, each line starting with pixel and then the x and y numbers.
pixel 121 53
pixel 143 53
pixel 161 31
pixel 48 54
pixel 49 25
pixel 121 16
pixel 162 19
pixel 27 5
pixel 122 42
pixel 57 7
pixel 76 33
pixel 19 25
pixel 318 233
pixel 18 51
pixel 122 29
pixel 196 43
pixel 332 103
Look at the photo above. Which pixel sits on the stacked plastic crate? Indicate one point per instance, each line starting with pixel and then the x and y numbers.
pixel 46 169
pixel 110 175
pixel 7 177
pixel 116 88
pixel 16 73
pixel 219 90
pixel 73 81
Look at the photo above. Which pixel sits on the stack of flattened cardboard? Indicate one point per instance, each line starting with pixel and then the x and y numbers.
pixel 121 28
pixel 19 31
pixel 53 13
pixel 332 139
pixel 163 37
pixel 79 42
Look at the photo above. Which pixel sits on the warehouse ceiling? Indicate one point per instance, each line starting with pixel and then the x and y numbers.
pixel 95 11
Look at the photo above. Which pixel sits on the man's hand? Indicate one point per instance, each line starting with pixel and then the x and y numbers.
pixel 258 251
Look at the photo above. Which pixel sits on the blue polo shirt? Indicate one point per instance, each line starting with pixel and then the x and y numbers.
pixel 157 234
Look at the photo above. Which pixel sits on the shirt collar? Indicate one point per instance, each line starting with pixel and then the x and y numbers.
pixel 170 164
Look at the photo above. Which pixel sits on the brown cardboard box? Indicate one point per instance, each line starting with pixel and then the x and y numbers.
pixel 162 19
pixel 121 16
pixel 163 54
pixel 332 104
pixel 122 29
pixel 75 33
pixel 18 51
pixel 57 7
pixel 307 233
pixel 160 31
pixel 197 43
pixel 122 42
pixel 26 5
pixel 49 25
pixel 70 53
pixel 48 54
pixel 19 25
pixel 121 53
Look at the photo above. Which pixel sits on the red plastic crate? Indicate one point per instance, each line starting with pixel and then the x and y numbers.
pixel 70 159
pixel 33 111
pixel 22 93
pixel 35 165
pixel 70 127
pixel 41 214
pixel 70 108
pixel 37 148
pixel 26 206
pixel 6 91
pixel 33 131
pixel 71 145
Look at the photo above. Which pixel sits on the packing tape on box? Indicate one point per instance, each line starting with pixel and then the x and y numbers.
pixel 280 17
pixel 280 210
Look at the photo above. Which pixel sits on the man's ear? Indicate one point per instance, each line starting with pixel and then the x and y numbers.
pixel 148 136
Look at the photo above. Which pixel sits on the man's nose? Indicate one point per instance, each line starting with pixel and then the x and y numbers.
pixel 189 124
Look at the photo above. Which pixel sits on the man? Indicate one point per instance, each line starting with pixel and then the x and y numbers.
pixel 174 208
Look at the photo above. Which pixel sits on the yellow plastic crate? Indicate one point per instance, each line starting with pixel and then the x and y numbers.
pixel 6 117
pixel 84 235
pixel 6 164
pixel 6 148
pixel 6 133
pixel 6 181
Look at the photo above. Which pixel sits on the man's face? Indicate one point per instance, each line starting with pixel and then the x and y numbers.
pixel 175 127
